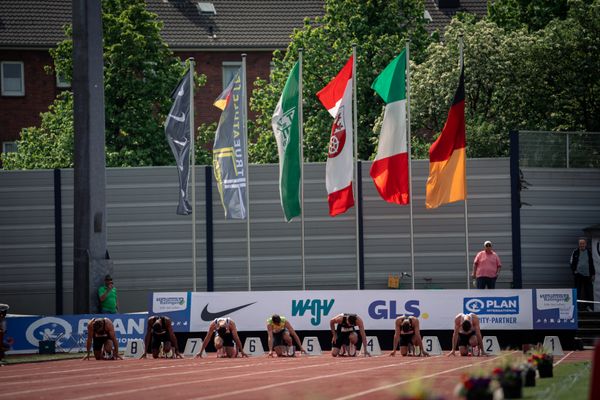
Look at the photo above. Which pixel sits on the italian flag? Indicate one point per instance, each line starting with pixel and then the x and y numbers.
pixel 337 99
pixel 390 168
pixel 287 134
pixel 447 181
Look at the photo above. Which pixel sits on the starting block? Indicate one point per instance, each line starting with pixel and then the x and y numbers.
pixel 311 345
pixel 491 345
pixel 552 343
pixel 253 347
pixel 134 348
pixel 192 347
pixel 372 346
pixel 431 345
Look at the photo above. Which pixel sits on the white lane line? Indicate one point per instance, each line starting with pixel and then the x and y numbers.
pixel 200 369
pixel 217 378
pixel 270 386
pixel 209 379
pixel 561 360
pixel 70 385
pixel 385 387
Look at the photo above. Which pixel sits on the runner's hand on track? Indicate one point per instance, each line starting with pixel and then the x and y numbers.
pixel 178 355
pixel 270 354
pixel 393 353
pixel 452 353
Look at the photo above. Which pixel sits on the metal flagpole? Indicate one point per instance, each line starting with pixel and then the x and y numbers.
pixel 301 140
pixel 410 190
pixel 193 162
pixel 355 128
pixel 466 208
pixel 247 166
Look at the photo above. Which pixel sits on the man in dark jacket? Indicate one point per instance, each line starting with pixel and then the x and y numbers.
pixel 582 265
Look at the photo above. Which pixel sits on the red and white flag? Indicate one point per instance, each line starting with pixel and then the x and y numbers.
pixel 337 99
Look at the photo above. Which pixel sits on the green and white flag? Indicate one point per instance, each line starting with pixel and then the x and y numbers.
pixel 287 133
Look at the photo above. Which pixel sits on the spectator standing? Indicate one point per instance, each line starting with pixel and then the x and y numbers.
pixel 5 342
pixel 584 273
pixel 486 267
pixel 109 304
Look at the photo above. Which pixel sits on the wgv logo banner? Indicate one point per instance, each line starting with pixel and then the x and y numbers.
pixel 316 308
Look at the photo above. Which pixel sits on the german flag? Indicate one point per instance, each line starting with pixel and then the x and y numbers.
pixel 447 181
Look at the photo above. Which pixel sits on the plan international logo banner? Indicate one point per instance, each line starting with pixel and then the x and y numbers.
pixel 229 150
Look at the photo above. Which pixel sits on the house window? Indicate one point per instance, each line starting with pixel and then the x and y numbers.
pixel 230 68
pixel 12 78
pixel 62 81
pixel 9 147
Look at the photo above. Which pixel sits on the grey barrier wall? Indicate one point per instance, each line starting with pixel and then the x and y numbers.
pixel 151 246
pixel 557 205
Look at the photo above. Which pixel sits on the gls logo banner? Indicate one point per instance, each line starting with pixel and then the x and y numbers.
pixel 318 309
pixel 491 305
pixel 163 302
pixel 381 309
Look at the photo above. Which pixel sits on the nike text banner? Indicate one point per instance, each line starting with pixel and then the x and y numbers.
pixel 447 181
pixel 390 167
pixel 337 99
pixel 177 131
pixel 287 134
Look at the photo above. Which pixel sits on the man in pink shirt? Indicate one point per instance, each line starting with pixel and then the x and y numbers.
pixel 486 267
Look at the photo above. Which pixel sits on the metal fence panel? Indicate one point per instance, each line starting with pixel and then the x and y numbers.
pixel 151 245
pixel 558 205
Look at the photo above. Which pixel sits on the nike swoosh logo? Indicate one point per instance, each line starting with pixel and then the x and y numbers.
pixel 181 142
pixel 176 118
pixel 209 316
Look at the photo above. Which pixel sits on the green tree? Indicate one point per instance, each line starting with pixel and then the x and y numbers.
pixel 140 72
pixel 514 79
pixel 51 144
pixel 379 28
pixel 532 14
pixel 567 53
pixel 494 65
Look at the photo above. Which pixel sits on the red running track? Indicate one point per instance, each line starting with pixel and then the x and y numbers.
pixel 322 377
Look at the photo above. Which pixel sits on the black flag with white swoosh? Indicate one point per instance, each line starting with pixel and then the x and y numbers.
pixel 177 130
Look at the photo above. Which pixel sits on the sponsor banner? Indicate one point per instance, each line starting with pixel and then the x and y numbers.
pixel 68 331
pixel 312 310
pixel 175 305
pixel 500 309
pixel 554 309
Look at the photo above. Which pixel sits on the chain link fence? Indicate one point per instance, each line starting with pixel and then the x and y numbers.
pixel 559 149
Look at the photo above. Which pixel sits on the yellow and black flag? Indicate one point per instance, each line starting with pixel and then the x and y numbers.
pixel 229 150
